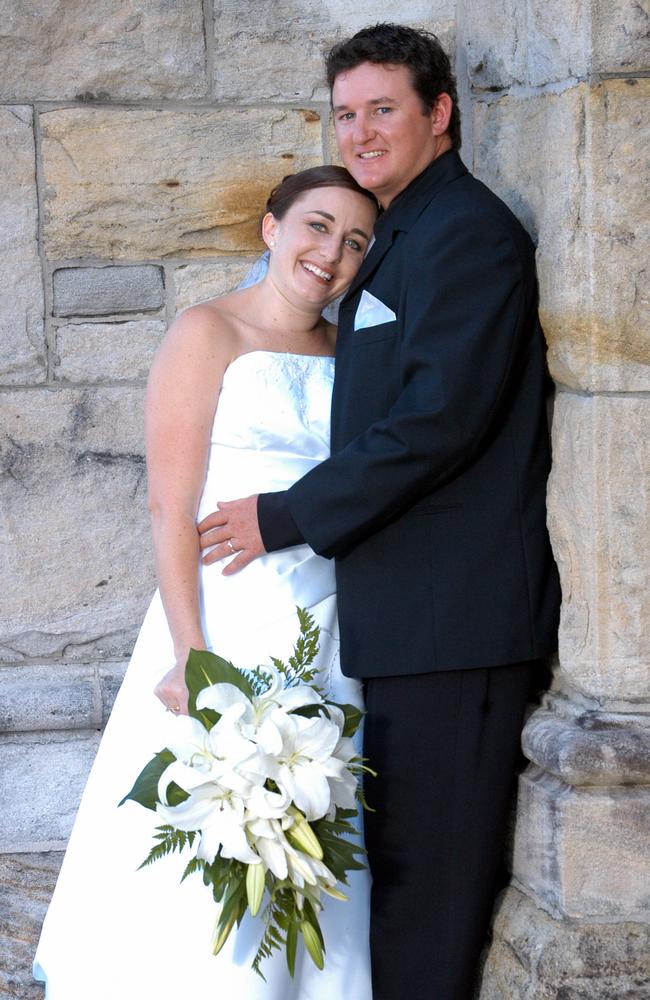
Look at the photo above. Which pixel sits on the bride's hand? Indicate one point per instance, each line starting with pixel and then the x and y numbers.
pixel 172 690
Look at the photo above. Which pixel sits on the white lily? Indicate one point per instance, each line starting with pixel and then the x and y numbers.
pixel 305 762
pixel 222 697
pixel 219 814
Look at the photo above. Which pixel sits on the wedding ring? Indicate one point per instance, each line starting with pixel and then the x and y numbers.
pixel 176 708
pixel 231 546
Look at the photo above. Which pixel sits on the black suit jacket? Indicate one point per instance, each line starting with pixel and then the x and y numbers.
pixel 433 501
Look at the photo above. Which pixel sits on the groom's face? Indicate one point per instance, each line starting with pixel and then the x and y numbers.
pixel 383 134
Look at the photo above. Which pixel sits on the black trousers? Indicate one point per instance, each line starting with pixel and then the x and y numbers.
pixel 445 746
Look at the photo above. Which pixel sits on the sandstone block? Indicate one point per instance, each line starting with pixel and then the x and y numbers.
pixel 588 749
pixel 93 352
pixel 532 43
pixel 274 51
pixel 75 531
pixel 54 768
pixel 598 520
pixel 198 282
pixel 62 49
pixel 197 188
pixel 519 43
pixel 620 40
pixel 571 166
pixel 111 676
pixel 22 339
pixel 26 885
pixel 534 957
pixel 102 291
pixel 46 697
pixel 582 852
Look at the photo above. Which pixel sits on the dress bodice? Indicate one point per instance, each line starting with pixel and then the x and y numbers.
pixel 270 428
pixel 271 425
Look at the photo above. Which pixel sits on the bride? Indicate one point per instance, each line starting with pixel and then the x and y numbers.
pixel 238 403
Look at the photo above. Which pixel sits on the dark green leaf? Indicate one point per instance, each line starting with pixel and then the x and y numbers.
pixel 353 717
pixel 292 945
pixel 145 789
pixel 203 669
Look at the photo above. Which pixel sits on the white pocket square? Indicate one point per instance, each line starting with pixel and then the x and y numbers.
pixel 371 312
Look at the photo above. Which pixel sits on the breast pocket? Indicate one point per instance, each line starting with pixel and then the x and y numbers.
pixel 374 334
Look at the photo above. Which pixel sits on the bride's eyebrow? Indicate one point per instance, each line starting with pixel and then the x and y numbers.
pixel 326 215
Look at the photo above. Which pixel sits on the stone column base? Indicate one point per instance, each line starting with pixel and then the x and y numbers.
pixel 534 957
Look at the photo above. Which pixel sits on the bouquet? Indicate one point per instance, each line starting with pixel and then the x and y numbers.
pixel 261 785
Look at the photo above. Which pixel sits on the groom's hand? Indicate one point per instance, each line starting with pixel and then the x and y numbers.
pixel 232 528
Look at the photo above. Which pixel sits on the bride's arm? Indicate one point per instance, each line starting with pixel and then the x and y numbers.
pixel 181 398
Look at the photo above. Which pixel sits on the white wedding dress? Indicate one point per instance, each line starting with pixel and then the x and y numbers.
pixel 115 933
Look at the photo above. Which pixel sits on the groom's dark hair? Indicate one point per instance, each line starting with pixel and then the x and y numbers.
pixel 420 51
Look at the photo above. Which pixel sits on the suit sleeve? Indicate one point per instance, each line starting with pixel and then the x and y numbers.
pixel 468 290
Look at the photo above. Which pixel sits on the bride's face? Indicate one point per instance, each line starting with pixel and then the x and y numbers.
pixel 318 244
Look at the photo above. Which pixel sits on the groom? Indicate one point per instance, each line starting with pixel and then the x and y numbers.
pixel 432 505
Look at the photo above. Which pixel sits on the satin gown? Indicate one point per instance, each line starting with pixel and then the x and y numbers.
pixel 112 931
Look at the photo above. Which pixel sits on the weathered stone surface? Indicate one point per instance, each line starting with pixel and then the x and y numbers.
pixel 598 520
pixel 93 352
pixel 75 534
pixel 275 51
pixel 620 36
pixel 54 767
pixel 40 697
pixel 22 339
pixel 517 43
pixel 61 49
pixel 582 852
pixel 617 143
pixel 534 43
pixel 201 181
pixel 533 957
pixel 111 676
pixel 103 291
pixel 43 696
pixel 26 885
pixel 572 167
pixel 588 749
pixel 198 282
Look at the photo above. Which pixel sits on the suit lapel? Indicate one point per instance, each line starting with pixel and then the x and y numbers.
pixel 405 210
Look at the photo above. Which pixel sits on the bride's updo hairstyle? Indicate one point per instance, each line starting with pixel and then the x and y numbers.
pixel 292 186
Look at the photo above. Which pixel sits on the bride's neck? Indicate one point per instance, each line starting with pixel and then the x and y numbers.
pixel 282 312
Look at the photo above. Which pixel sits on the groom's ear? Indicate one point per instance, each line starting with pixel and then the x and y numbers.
pixel 270 228
pixel 441 114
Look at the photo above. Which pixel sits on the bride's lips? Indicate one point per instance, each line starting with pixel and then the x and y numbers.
pixel 321 274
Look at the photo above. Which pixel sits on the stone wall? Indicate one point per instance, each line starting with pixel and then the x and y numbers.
pixel 561 130
pixel 136 151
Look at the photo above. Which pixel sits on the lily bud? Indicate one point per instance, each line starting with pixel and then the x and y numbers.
pixel 312 943
pixel 331 891
pixel 255 887
pixel 304 837
pixel 220 937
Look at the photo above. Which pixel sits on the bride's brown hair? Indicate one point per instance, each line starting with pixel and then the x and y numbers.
pixel 292 186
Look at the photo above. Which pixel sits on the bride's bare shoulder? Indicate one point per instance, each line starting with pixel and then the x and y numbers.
pixel 204 332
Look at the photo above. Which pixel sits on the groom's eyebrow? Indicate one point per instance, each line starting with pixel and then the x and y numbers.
pixel 331 218
pixel 372 101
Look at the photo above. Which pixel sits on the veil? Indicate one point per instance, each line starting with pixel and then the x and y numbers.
pixel 258 271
